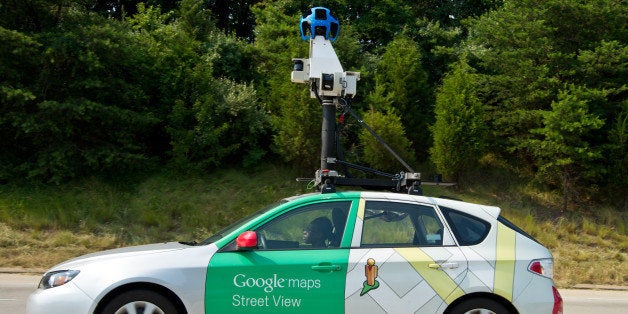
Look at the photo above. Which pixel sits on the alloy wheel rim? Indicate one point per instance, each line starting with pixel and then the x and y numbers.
pixel 139 307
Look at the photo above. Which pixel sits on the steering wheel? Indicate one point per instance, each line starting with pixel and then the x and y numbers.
pixel 261 241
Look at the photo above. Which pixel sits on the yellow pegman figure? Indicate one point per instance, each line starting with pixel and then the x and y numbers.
pixel 370 270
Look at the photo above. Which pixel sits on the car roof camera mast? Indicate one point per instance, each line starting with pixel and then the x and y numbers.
pixel 334 88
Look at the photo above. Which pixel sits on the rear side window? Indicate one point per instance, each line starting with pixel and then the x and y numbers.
pixel 467 229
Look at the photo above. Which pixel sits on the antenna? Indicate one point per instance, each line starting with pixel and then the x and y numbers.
pixel 335 88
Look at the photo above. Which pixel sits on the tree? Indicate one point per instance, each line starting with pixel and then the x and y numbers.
pixel 232 58
pixel 527 51
pixel 514 50
pixel 401 76
pixel 195 19
pixel 377 22
pixel 452 12
pixel 210 120
pixel 224 126
pixel 460 132
pixel 94 95
pixel 617 154
pixel 19 63
pixel 32 15
pixel 439 46
pixel 119 9
pixel 92 110
pixel 235 17
pixel 563 157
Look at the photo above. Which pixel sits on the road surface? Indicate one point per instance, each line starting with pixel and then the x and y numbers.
pixel 15 288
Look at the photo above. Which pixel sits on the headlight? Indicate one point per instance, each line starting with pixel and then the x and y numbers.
pixel 57 278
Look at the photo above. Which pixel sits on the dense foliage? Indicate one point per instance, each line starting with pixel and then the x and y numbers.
pixel 116 87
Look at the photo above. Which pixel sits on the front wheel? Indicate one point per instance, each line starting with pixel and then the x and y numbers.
pixel 140 301
pixel 479 306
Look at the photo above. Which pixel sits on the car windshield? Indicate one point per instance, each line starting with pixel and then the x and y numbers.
pixel 216 236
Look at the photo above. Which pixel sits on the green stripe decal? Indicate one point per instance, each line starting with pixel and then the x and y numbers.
pixel 444 286
pixel 505 264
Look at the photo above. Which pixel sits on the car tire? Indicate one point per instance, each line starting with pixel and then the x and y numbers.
pixel 140 301
pixel 479 306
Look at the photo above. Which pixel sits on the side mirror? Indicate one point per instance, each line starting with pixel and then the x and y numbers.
pixel 247 240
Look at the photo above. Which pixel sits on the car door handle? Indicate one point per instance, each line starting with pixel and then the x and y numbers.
pixel 443 265
pixel 326 267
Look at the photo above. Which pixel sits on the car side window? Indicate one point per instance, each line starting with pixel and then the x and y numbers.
pixel 389 224
pixel 312 226
pixel 467 229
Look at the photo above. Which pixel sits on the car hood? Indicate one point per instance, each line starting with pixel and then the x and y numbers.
pixel 124 252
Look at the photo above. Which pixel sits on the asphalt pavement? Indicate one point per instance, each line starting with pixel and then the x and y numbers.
pixel 14 291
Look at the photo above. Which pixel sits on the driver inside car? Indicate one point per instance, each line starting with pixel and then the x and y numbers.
pixel 318 232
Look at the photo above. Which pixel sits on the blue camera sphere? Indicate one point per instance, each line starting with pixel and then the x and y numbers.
pixel 319 23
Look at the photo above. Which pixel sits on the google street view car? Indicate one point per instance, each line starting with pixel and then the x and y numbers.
pixel 344 252
pixel 332 252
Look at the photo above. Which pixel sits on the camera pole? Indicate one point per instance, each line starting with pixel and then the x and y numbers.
pixel 332 86
pixel 328 132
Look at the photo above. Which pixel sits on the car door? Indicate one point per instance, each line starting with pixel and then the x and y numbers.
pixel 291 271
pixel 403 260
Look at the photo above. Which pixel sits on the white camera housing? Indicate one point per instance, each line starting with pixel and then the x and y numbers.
pixel 324 71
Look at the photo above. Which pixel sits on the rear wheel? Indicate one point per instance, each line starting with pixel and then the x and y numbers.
pixel 479 306
pixel 140 302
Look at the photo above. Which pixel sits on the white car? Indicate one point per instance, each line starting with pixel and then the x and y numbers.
pixel 345 252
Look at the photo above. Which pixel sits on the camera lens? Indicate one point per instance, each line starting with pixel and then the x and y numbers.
pixel 297 65
pixel 320 30
pixel 320 14
pixel 328 81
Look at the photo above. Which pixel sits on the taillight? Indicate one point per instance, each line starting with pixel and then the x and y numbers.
pixel 558 302
pixel 543 267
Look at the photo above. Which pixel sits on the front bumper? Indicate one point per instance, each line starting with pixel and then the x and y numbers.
pixel 63 300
